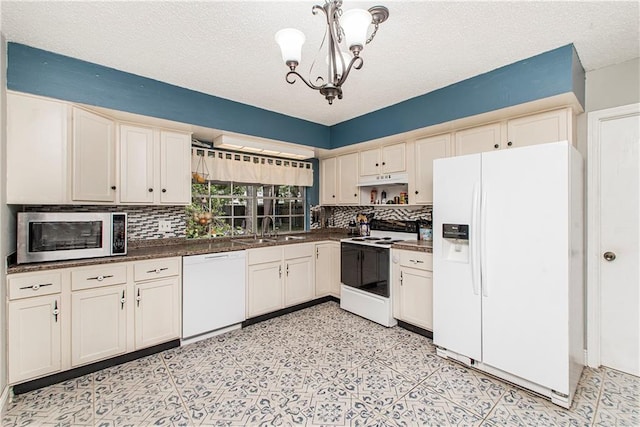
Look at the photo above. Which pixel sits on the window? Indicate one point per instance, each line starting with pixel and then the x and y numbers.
pixel 231 209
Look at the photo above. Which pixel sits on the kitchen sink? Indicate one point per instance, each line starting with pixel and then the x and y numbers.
pixel 253 241
pixel 288 238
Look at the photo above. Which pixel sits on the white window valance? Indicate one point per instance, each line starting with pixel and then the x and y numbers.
pixel 220 165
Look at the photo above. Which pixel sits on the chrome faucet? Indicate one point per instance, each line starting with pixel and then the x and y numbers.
pixel 265 225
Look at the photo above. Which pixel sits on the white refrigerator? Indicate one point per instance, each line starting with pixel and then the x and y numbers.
pixel 508 265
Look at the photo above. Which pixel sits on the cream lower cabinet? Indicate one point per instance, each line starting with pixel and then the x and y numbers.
pixel 327 269
pixel 34 337
pixel 157 301
pixel 279 277
pixel 413 288
pixel 99 324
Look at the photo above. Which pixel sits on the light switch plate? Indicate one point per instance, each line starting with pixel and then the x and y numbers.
pixel 164 226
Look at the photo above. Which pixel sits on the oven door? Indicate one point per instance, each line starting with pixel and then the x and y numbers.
pixel 365 267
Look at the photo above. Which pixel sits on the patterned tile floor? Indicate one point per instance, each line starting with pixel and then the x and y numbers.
pixel 318 366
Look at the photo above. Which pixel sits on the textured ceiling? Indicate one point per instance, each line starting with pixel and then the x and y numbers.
pixel 227 49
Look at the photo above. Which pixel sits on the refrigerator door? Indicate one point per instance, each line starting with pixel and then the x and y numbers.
pixel 525 263
pixel 456 281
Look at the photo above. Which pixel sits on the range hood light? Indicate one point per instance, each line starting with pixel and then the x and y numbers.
pixel 238 143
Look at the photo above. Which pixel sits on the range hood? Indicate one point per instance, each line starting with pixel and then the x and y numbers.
pixel 385 179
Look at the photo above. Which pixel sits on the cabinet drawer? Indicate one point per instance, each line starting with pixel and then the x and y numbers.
pixel 262 255
pixel 98 276
pixel 419 260
pixel 32 285
pixel 299 251
pixel 156 269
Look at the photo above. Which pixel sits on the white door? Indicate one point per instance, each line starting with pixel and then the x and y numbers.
pixel 525 247
pixel 614 263
pixel 456 296
pixel 157 312
pixel 99 326
pixel 347 182
pixel 324 269
pixel 427 150
pixel 416 297
pixel 136 164
pixel 264 288
pixel 394 158
pixel 299 280
pixel 175 168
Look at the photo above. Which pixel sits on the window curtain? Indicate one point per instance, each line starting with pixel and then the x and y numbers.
pixel 218 165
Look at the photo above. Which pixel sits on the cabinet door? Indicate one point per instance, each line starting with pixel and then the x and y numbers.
pixel 299 280
pixel 136 165
pixel 335 272
pixel 540 128
pixel 478 139
pixel 93 157
pixel 99 324
pixel 328 181
pixel 426 151
pixel 158 313
pixel 34 337
pixel 393 158
pixel 370 162
pixel 416 297
pixel 348 179
pixel 264 288
pixel 175 168
pixel 324 269
pixel 37 146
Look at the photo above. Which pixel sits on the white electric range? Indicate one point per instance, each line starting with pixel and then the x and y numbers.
pixel 365 270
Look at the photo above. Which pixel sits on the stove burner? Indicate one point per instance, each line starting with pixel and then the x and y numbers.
pixel 357 239
pixel 388 242
pixel 372 238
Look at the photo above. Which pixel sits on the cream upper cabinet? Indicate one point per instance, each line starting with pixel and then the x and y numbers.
pixel 327 269
pixel 479 139
pixel 34 337
pixel 136 164
pixel 155 166
pixel 94 158
pixel 550 126
pixel 328 181
pixel 99 324
pixel 413 287
pixel 426 151
pixel 299 276
pixel 347 179
pixel 175 168
pixel 37 150
pixel 388 159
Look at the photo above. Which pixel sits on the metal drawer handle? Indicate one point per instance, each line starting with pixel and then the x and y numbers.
pixel 100 278
pixel 55 310
pixel 36 286
pixel 416 261
pixel 158 270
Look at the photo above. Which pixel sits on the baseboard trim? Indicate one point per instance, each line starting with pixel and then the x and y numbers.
pixel 93 367
pixel 288 310
pixel 416 329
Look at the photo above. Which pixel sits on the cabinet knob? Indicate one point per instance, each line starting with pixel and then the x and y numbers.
pixel 164 190
pixel 496 146
pixel 383 163
pixel 334 196
pixel 416 191
pixel 113 187
pixel 377 165
pixel 509 143
pixel 151 190
pixel 355 195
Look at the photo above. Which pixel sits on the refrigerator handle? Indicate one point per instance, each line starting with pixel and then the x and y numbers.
pixel 483 244
pixel 475 261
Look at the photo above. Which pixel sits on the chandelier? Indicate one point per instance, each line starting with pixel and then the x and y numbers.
pixel 350 27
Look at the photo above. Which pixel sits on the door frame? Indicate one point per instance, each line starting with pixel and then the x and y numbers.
pixel 594 119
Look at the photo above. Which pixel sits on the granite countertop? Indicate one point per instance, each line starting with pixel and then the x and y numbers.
pixel 415 245
pixel 161 248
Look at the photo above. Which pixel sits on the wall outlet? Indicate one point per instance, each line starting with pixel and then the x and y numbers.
pixel 164 226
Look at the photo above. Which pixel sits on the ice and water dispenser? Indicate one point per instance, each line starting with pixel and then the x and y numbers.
pixel 455 242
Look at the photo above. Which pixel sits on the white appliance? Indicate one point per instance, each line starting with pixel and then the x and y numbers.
pixel 365 270
pixel 508 265
pixel 213 294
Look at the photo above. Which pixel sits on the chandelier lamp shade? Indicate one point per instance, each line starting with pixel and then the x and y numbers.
pixel 348 29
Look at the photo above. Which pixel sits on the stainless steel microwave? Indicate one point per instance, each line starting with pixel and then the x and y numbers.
pixel 49 236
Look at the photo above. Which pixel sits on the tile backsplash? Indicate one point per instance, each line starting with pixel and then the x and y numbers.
pixel 339 216
pixel 142 221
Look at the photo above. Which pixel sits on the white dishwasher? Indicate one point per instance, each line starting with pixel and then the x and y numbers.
pixel 213 293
